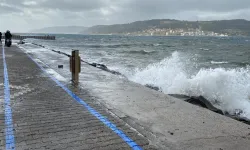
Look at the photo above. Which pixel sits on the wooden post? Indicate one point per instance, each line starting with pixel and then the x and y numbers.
pixel 75 65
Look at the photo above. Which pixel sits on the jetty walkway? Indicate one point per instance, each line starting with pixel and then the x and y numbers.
pixel 41 37
pixel 41 111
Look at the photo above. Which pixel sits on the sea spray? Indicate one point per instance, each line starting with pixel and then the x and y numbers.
pixel 228 89
pixel 219 62
pixel 185 72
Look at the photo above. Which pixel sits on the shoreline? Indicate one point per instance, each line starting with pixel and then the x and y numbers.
pixel 153 112
pixel 198 101
pixel 127 35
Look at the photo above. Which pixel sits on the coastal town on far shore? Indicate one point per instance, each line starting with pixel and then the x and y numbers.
pixel 175 32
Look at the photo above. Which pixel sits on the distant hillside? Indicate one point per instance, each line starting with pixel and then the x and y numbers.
pixel 61 30
pixel 229 27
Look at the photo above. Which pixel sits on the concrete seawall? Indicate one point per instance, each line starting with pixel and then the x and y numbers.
pixel 169 123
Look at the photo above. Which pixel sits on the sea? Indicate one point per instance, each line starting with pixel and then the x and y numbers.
pixel 217 68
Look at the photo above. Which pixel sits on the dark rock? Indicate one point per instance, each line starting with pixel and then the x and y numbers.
pixel 180 96
pixel 153 87
pixel 60 66
pixel 238 112
pixel 101 66
pixel 105 68
pixel 239 118
pixel 199 101
pixel 171 133
pixel 202 102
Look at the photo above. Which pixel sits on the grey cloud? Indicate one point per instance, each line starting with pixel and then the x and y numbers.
pixel 173 6
pixel 91 12
pixel 12 2
pixel 76 5
pixel 138 6
pixel 9 9
pixel 64 5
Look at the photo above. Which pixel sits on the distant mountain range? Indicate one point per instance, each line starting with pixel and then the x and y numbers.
pixel 61 30
pixel 162 27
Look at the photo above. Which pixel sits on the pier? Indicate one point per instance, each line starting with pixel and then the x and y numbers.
pixel 43 110
pixel 45 113
pixel 41 37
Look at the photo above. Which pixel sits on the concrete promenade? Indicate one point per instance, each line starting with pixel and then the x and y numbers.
pixel 167 122
pixel 45 116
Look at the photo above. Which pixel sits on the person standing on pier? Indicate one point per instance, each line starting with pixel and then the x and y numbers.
pixel 8 35
pixel 1 37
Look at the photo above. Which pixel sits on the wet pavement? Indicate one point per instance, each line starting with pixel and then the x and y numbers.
pixel 45 116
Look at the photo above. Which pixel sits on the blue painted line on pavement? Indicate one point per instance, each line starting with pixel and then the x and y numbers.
pixel 9 134
pixel 103 119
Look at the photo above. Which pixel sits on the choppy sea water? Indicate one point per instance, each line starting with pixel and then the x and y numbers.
pixel 216 68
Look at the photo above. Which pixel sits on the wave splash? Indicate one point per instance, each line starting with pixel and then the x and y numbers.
pixel 142 52
pixel 219 62
pixel 227 89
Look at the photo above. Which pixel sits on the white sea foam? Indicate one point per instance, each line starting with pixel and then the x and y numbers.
pixel 219 62
pixel 230 88
pixel 157 44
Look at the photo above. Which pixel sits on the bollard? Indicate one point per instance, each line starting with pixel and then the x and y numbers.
pixel 75 65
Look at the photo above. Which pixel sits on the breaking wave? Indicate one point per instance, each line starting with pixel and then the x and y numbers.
pixel 108 45
pixel 143 52
pixel 227 89
pixel 125 45
pixel 219 62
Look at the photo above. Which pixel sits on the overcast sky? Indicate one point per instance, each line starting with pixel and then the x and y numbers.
pixel 25 15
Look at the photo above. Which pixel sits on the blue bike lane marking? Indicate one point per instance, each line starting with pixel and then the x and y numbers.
pixel 9 134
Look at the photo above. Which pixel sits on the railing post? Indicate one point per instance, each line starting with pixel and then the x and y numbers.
pixel 75 65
